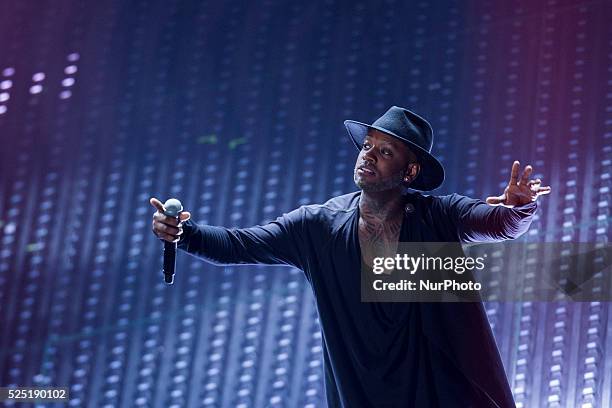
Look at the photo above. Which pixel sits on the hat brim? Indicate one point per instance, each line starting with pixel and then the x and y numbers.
pixel 431 175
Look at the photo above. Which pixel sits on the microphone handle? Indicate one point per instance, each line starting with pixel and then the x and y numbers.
pixel 169 261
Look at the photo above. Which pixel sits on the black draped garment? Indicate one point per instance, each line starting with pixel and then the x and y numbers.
pixel 383 354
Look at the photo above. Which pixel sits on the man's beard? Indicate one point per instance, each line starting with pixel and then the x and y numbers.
pixel 395 180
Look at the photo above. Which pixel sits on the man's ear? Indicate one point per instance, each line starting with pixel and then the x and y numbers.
pixel 412 172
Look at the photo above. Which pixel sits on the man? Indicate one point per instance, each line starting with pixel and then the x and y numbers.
pixel 384 354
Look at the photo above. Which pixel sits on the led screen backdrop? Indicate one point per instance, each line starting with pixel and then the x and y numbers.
pixel 236 108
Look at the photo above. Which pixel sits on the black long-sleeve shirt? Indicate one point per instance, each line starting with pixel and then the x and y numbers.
pixel 383 354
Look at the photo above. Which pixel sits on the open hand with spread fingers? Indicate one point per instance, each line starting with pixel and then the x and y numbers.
pixel 520 191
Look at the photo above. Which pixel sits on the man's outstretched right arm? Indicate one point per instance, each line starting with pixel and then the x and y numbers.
pixel 277 242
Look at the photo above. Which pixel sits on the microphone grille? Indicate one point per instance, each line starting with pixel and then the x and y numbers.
pixel 173 207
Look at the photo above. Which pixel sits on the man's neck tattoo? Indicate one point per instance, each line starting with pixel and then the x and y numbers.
pixel 380 222
pixel 377 230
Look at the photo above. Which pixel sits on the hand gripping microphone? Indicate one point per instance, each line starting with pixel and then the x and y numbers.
pixel 173 208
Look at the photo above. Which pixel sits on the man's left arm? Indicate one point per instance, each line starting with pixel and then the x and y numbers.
pixel 500 218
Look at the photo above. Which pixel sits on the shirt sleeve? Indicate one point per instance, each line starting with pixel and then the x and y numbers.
pixel 477 221
pixel 277 242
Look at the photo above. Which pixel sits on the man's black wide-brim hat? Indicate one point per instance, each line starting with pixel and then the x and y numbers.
pixel 410 128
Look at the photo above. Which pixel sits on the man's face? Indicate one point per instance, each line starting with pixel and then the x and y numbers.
pixel 383 163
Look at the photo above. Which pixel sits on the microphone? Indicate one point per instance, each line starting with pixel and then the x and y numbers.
pixel 172 209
